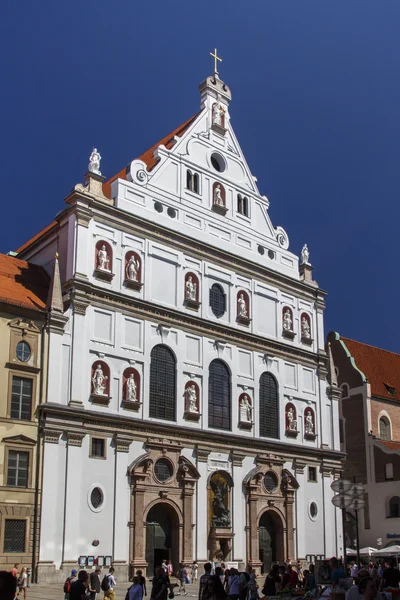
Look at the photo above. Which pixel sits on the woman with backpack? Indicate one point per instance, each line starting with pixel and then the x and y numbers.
pixel 68 582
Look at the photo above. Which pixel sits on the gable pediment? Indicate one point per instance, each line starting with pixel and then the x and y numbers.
pixel 19 439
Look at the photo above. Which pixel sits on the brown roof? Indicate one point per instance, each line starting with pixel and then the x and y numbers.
pixel 380 367
pixel 23 284
pixel 148 156
pixel 390 445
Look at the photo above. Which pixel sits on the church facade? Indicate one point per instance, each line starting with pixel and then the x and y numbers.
pixel 189 413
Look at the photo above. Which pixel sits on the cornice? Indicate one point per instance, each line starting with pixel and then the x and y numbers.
pixel 74 419
pixel 130 223
pixel 139 308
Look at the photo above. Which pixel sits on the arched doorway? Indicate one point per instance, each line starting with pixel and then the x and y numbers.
pixel 270 540
pixel 162 537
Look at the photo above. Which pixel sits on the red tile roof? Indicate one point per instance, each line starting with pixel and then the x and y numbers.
pixel 23 284
pixel 390 445
pixel 148 156
pixel 37 236
pixel 379 366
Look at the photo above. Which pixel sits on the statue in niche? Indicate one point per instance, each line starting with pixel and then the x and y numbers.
pixel 287 321
pixel 132 268
pixel 102 259
pixel 99 381
pixel 191 399
pixel 218 196
pixel 305 328
pixel 191 289
pixel 305 255
pixel 242 308
pixel 94 162
pixel 218 114
pixel 131 388
pixel 309 424
pixel 291 421
pixel 221 514
pixel 245 410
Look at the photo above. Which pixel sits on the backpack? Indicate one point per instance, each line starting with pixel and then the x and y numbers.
pixel 67 585
pixel 20 580
pixel 105 584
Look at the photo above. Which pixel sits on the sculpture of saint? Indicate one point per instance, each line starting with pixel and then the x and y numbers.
pixel 305 328
pixel 94 162
pixel 305 255
pixel 287 321
pixel 309 424
pixel 218 196
pixel 191 289
pixel 245 410
pixel 242 309
pixel 221 516
pixel 131 388
pixel 218 114
pixel 291 421
pixel 132 268
pixel 192 399
pixel 99 381
pixel 102 259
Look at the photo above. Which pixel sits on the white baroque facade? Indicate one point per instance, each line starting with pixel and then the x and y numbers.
pixel 188 414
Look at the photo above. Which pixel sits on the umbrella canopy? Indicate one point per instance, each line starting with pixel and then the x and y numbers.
pixel 389 551
pixel 367 550
pixel 350 552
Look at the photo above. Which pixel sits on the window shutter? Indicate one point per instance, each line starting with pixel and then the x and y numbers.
pixel 162 384
pixel 219 396
pixel 269 406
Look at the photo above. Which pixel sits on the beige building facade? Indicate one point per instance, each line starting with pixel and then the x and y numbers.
pixel 23 292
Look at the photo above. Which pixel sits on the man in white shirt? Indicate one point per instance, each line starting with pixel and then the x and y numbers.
pixel 110 593
pixel 353 570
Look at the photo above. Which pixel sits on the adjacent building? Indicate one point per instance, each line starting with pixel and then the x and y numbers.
pixel 188 413
pixel 23 295
pixel 369 379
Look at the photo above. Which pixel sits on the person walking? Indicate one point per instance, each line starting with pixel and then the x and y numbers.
pixel 21 582
pixel 160 585
pixel 195 569
pixel 233 584
pixel 15 570
pixel 95 583
pixel 136 589
pixel 108 584
pixel 8 585
pixel 79 587
pixel 68 582
pixel 204 579
pixel 142 581
pixel 182 574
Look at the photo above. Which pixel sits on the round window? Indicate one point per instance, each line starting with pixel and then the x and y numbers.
pixel 23 351
pixel 163 470
pixel 270 482
pixel 313 510
pixel 218 162
pixel 96 497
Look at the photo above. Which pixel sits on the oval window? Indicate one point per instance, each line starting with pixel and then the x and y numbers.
pixel 96 497
pixel 23 351
pixel 163 470
pixel 270 482
pixel 218 162
pixel 313 510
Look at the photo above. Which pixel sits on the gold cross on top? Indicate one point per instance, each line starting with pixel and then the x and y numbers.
pixel 216 58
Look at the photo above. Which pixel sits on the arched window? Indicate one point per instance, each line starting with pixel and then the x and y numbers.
pixel 239 204
pixel 394 507
pixel 219 396
pixel 384 428
pixel 162 397
pixel 217 300
pixel 269 406
pixel 192 181
pixel 245 207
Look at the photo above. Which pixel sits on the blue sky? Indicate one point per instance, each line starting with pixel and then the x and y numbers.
pixel 316 107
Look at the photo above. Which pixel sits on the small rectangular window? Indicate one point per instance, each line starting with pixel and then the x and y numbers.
pixel 312 474
pixel 14 535
pixel 98 447
pixel 389 471
pixel 21 398
pixel 17 473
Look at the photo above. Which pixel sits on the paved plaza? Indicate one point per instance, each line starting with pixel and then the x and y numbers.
pixel 55 591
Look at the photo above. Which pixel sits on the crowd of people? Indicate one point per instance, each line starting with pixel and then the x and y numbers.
pixel 14 583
